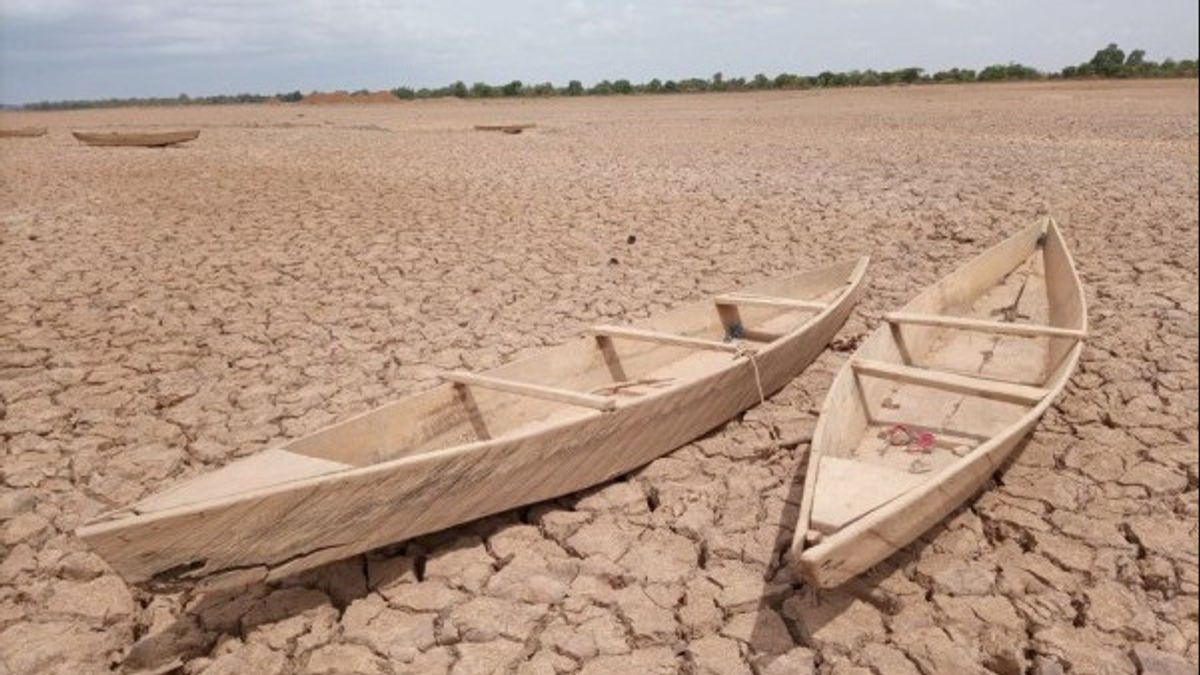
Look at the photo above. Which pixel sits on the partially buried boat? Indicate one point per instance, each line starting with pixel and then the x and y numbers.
pixel 932 402
pixel 571 417
pixel 143 139
pixel 23 132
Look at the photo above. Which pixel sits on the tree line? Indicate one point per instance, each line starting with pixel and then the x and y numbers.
pixel 1109 62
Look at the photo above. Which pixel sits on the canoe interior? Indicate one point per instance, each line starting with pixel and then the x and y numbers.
pixel 1026 279
pixel 449 416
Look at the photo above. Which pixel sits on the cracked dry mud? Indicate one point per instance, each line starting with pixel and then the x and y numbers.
pixel 165 311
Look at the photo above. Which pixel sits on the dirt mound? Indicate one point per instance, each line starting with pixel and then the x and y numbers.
pixel 347 97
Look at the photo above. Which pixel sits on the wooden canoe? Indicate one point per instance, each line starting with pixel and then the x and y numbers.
pixel 933 401
pixel 23 132
pixel 505 128
pixel 571 417
pixel 152 139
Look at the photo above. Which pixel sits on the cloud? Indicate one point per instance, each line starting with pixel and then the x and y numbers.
pixel 71 30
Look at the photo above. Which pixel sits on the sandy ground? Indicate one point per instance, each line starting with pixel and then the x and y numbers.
pixel 165 311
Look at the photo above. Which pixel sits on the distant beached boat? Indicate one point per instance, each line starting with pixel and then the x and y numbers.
pixel 504 128
pixel 154 139
pixel 24 132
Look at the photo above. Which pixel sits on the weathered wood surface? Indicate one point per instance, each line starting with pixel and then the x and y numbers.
pixel 1029 276
pixel 452 453
pixel 150 139
pixel 657 337
pixel 534 390
pixel 1001 391
pixel 758 301
pixel 999 327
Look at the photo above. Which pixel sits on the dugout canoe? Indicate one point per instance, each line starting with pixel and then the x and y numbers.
pixel 152 139
pixel 505 128
pixel 23 132
pixel 568 418
pixel 934 400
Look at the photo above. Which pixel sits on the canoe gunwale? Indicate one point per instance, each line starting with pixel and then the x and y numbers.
pixel 958 481
pixel 122 518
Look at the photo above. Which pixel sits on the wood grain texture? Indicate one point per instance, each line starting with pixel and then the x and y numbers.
pixel 153 139
pixel 412 472
pixel 753 301
pixel 1028 276
pixel 534 390
pixel 627 333
pixel 1001 391
pixel 1000 327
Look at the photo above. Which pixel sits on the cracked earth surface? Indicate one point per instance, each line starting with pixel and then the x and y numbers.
pixel 165 311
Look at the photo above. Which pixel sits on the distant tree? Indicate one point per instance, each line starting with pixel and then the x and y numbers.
pixel 1011 71
pixel 909 75
pixel 671 86
pixel 761 81
pixel 574 88
pixel 718 81
pixel 1136 58
pixel 785 81
pixel 543 89
pixel 404 93
pixel 601 88
pixel 482 90
pixel 1109 61
pixel 622 87
pixel 654 86
pixel 512 88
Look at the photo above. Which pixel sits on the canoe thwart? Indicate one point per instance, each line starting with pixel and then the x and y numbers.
pixel 964 384
pixel 667 339
pixel 768 301
pixel 602 403
pixel 998 327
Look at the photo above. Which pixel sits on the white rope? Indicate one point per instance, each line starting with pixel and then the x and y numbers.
pixel 750 353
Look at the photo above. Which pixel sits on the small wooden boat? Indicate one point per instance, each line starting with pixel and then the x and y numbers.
pixel 505 128
pixel 932 403
pixel 23 132
pixel 571 417
pixel 150 139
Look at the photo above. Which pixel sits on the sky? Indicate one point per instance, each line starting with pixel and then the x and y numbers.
pixel 76 49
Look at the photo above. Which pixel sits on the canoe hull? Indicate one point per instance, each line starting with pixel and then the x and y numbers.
pixel 300 525
pixel 871 538
pixel 143 140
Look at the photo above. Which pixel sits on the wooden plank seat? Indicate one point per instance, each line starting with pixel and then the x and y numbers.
pixel 668 339
pixel 998 327
pixel 602 403
pixel 990 389
pixel 768 301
